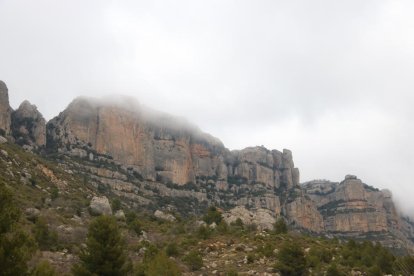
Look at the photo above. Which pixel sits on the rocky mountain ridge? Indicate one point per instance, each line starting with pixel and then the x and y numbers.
pixel 156 161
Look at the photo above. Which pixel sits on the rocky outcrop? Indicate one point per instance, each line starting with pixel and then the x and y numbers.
pixel 352 206
pixel 161 215
pixel 5 110
pixel 100 206
pixel 28 125
pixel 262 218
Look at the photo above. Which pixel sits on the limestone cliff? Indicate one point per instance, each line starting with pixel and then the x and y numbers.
pixel 354 208
pixel 5 110
pixel 164 149
pixel 28 125
pixel 156 145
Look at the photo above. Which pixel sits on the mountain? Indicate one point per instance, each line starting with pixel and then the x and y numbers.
pixel 153 161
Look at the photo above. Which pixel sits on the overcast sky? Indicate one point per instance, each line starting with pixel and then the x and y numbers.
pixel 331 80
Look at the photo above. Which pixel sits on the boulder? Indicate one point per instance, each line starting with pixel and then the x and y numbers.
pixel 120 215
pixel 32 213
pixel 100 206
pixel 161 215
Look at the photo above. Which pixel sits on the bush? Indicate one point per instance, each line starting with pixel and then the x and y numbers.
pixel 116 205
pixel 133 222
pixel 46 239
pixel 203 232
pixel 162 265
pixel 43 269
pixel 171 249
pixel 213 215
pixel 250 258
pixel 54 193
pixel 193 260
pixel 280 226
pixel 291 260
pixel 333 271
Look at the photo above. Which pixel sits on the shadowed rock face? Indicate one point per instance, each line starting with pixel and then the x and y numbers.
pixel 28 125
pixel 5 110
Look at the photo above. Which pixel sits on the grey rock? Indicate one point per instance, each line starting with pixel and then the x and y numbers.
pixel 5 110
pixel 161 215
pixel 120 215
pixel 100 206
pixel 32 213
pixel 28 125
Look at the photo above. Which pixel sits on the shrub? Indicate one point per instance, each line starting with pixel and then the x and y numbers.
pixel 213 215
pixel 116 204
pixel 193 260
pixel 203 232
pixel 333 271
pixel 43 269
pixel 45 238
pixel 162 265
pixel 280 226
pixel 171 249
pixel 291 260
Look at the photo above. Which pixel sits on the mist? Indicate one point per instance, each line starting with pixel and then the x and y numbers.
pixel 332 81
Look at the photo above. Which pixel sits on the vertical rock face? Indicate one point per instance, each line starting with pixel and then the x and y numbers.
pixel 28 125
pixel 352 206
pixel 157 146
pixel 5 110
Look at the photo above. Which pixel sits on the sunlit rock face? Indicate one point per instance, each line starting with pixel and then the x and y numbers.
pixel 5 110
pixel 28 125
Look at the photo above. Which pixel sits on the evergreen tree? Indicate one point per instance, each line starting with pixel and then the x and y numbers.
pixel 280 226
pixel 213 215
pixel 16 246
pixel 105 250
pixel 292 260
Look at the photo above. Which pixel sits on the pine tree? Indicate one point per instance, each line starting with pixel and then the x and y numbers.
pixel 292 260
pixel 105 250
pixel 16 246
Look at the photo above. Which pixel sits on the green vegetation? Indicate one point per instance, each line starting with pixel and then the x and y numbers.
pixel 105 252
pixel 16 246
pixel 45 238
pixel 193 260
pixel 43 268
pixel 212 216
pixel 291 260
pixel 280 226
